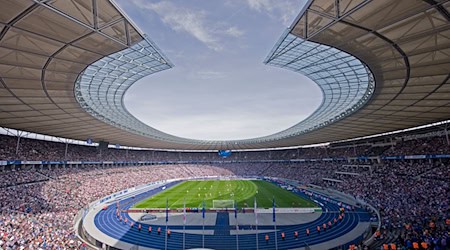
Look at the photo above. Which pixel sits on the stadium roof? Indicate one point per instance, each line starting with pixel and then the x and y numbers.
pixel 382 65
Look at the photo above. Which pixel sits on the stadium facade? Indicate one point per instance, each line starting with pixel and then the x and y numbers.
pixel 382 66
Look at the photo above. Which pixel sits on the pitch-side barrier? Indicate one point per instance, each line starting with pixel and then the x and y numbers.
pixel 230 210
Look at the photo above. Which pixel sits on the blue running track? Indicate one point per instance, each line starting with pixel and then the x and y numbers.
pixel 108 223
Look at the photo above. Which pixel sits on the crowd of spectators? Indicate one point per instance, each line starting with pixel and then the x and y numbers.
pixel 440 173
pixel 409 198
pixel 38 204
pixel 40 214
pixel 420 146
pixel 31 149
pixel 11 178
pixel 405 168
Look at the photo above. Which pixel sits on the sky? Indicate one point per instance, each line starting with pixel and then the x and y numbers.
pixel 219 88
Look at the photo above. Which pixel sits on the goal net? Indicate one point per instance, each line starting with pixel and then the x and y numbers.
pixel 223 203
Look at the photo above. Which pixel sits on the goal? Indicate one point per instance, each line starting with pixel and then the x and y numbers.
pixel 223 203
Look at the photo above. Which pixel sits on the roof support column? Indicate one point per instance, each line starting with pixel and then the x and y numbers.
pixel 95 14
pixel 446 134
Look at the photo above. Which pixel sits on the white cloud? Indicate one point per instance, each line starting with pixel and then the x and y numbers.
pixel 193 22
pixel 261 5
pixel 283 10
pixel 234 31
pixel 210 74
pixel 223 126
pixel 183 19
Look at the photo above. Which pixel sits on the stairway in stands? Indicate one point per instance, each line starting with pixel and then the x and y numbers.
pixel 390 237
pixel 222 224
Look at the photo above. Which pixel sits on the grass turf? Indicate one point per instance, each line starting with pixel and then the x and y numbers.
pixel 242 191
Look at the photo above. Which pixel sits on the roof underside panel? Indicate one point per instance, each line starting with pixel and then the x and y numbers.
pixel 407 47
pixel 43 49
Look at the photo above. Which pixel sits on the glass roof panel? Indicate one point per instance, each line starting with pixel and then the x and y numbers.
pixel 346 82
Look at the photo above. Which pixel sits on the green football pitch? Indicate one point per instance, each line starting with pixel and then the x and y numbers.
pixel 241 191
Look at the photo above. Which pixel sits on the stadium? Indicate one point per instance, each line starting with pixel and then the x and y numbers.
pixel 368 169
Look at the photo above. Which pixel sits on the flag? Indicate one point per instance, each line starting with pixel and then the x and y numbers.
pixel 273 208
pixel 256 215
pixel 167 210
pixel 184 211
pixel 203 210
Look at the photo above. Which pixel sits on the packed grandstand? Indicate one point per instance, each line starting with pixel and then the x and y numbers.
pixel 39 200
pixel 382 66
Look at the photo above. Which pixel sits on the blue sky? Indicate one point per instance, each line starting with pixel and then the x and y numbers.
pixel 219 88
